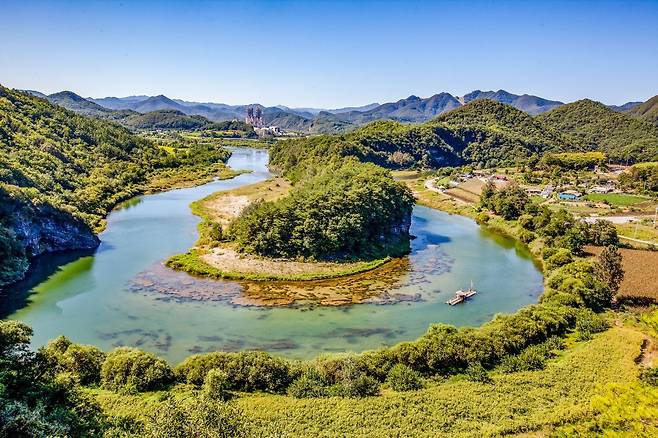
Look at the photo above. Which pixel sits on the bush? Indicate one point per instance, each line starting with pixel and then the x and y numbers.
pixel 509 202
pixel 34 400
pixel 342 375
pixel 578 280
pixel 403 378
pixel 84 362
pixel 482 218
pixel 527 222
pixel 134 370
pixel 197 418
pixel 589 323
pixel 527 236
pixel 477 373
pixel 530 359
pixel 355 383
pixel 14 335
pixel 246 371
pixel 560 258
pixel 649 376
pixel 309 384
pixel 216 385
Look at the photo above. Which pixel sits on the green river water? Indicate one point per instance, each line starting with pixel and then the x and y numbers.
pixel 121 294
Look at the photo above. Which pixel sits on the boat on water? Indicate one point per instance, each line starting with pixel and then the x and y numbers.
pixel 462 295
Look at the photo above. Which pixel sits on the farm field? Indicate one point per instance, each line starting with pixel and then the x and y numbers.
pixel 641 275
pixel 638 231
pixel 618 199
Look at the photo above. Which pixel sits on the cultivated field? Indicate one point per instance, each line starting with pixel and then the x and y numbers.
pixel 641 273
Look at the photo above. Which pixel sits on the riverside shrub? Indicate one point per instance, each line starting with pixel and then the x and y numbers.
pixel 216 385
pixel 131 369
pixel 403 378
pixel 246 371
pixel 83 362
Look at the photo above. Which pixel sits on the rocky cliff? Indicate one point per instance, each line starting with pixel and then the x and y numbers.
pixel 28 230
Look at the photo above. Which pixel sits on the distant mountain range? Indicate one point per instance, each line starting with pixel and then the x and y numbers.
pixel 413 109
pixel 625 107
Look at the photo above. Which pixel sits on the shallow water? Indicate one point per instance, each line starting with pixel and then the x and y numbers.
pixel 117 295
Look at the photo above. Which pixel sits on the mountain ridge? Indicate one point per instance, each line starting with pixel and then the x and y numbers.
pixel 646 110
pixel 412 109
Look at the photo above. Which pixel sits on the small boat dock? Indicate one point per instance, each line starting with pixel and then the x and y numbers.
pixel 462 295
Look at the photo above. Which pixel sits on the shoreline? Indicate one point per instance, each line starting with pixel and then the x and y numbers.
pixel 220 208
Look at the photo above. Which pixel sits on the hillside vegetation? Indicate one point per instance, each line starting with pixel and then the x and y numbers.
pixel 539 369
pixel 60 173
pixel 484 133
pixel 597 127
pixel 647 110
pixel 157 113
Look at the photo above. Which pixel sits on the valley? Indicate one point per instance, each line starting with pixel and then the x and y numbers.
pixel 188 268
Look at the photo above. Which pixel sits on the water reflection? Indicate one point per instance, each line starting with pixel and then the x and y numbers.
pixel 42 269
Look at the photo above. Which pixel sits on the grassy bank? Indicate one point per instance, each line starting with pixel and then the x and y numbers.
pixel 583 390
pixel 513 403
pixel 192 263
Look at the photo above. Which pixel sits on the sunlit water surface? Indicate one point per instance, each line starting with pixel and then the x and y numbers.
pixel 92 298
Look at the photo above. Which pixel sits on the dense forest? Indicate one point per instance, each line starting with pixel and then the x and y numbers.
pixel 596 127
pixel 483 133
pixel 647 110
pixel 347 211
pixel 60 173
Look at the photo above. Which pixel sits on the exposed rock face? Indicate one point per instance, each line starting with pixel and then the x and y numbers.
pixel 49 233
pixel 35 230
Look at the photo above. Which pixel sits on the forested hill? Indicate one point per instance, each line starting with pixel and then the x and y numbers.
pixel 597 127
pixel 491 116
pixel 483 132
pixel 647 110
pixel 61 172
pixel 158 117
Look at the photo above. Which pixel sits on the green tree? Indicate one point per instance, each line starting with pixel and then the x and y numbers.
pixel 609 268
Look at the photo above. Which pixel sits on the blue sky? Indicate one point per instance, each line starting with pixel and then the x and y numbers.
pixel 331 54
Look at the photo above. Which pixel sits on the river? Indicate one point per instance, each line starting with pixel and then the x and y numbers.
pixel 100 298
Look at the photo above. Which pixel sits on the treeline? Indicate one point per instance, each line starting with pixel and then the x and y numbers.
pixel 594 126
pixel 641 177
pixel 574 160
pixel 349 210
pixel 483 133
pixel 54 162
